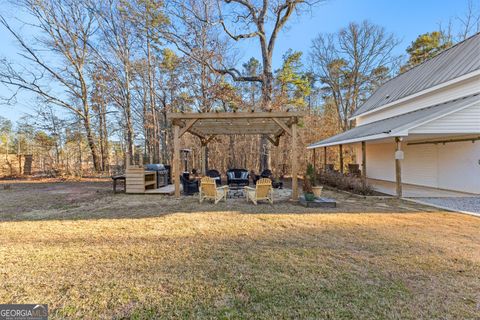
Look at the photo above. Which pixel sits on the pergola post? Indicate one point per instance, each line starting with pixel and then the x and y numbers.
pixel 204 157
pixel 364 163
pixel 324 159
pixel 176 159
pixel 294 163
pixel 398 166
pixel 340 151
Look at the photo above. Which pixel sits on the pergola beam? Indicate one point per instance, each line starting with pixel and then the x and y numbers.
pixel 232 115
pixel 187 126
pixel 275 141
pixel 282 125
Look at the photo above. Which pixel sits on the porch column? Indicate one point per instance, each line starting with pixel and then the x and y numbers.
pixel 324 159
pixel 398 165
pixel 364 163
pixel 176 159
pixel 294 163
pixel 340 150
pixel 314 161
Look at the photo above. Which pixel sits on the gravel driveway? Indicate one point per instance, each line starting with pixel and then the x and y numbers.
pixel 467 204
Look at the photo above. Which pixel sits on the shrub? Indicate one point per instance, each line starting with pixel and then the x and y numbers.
pixel 310 174
pixel 345 182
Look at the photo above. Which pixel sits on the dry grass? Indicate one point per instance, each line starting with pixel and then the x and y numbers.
pixel 97 263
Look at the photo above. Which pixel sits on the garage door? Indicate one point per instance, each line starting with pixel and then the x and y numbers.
pixel 420 165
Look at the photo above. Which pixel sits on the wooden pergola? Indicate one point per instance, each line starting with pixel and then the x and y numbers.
pixel 208 125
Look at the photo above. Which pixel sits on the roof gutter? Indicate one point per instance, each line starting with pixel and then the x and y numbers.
pixel 356 140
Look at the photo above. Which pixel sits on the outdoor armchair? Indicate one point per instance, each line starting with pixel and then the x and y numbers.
pixel 263 191
pixel 190 187
pixel 212 173
pixel 209 190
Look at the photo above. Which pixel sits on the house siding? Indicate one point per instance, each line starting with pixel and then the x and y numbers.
pixel 464 121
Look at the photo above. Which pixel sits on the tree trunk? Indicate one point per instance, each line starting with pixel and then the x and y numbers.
pixel 91 142
pixel 128 114
pixel 267 91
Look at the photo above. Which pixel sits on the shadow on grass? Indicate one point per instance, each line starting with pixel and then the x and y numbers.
pixel 95 200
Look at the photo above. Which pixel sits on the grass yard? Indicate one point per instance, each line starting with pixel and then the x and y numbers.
pixel 89 254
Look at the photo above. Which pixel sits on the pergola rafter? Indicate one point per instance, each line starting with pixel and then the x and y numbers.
pixel 208 125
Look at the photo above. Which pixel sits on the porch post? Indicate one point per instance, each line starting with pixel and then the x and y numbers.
pixel 176 159
pixel 364 163
pixel 314 161
pixel 294 163
pixel 398 166
pixel 340 150
pixel 324 159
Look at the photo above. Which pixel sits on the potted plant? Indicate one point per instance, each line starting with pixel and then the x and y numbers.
pixel 307 189
pixel 311 175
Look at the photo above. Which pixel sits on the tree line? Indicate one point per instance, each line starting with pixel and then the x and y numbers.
pixel 101 76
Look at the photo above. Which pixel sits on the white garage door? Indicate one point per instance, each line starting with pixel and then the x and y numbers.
pixel 420 165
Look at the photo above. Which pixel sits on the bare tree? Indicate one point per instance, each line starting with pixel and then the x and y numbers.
pixel 351 64
pixel 118 38
pixel 66 27
pixel 263 21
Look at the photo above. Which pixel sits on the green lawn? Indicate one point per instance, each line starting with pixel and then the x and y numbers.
pixel 232 265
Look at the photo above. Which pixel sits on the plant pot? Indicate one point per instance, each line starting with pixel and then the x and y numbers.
pixel 317 191
pixel 309 196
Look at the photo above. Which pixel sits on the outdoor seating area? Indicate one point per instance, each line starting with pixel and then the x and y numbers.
pixel 206 126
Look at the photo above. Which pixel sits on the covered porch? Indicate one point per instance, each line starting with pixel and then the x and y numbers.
pixel 430 151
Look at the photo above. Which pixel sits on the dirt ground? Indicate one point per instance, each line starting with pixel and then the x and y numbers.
pixel 93 199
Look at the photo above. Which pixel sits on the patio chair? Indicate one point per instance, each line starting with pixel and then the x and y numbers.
pixel 212 173
pixel 262 191
pixel 238 177
pixel 190 187
pixel 209 190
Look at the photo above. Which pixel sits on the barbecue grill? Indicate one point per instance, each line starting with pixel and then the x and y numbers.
pixel 163 173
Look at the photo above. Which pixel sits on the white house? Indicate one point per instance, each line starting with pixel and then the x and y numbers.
pixel 429 119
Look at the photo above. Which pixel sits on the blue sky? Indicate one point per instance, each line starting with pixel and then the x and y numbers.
pixel 405 18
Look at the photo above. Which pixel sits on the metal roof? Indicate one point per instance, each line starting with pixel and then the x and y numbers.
pixel 454 62
pixel 398 125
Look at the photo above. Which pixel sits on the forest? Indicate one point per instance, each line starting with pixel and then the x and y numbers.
pixel 99 78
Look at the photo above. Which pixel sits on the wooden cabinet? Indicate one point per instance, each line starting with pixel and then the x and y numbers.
pixel 138 180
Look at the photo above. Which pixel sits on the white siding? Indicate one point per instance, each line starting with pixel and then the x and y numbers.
pixel 458 90
pixel 459 167
pixel 453 166
pixel 464 121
